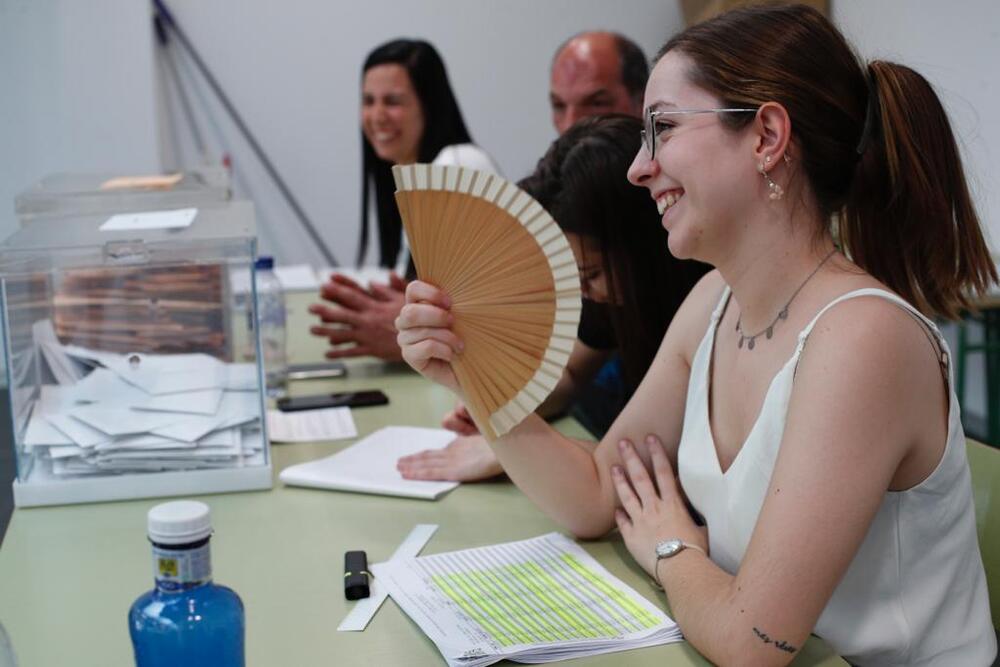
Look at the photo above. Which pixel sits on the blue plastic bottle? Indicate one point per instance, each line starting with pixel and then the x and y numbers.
pixel 186 620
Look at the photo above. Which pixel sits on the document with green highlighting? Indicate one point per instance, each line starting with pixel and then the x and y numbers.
pixel 537 600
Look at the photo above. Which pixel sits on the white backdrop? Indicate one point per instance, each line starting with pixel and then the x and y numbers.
pixel 293 70
pixel 83 88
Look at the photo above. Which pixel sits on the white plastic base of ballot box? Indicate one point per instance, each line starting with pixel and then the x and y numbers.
pixel 141 485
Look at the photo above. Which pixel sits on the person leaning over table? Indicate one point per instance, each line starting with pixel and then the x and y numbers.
pixel 408 114
pixel 593 72
pixel 801 393
pixel 616 237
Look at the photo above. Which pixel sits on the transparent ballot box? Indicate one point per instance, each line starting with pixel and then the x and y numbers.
pixel 132 366
pixel 72 195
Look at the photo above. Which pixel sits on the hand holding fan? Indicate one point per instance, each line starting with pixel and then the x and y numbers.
pixel 512 280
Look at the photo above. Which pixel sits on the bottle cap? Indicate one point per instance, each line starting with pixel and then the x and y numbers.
pixel 264 263
pixel 179 522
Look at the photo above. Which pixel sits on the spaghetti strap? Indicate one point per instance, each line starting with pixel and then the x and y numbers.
pixel 720 307
pixel 943 357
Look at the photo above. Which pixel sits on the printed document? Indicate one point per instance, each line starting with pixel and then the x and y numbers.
pixel 537 600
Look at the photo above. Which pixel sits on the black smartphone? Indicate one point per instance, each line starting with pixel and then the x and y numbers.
pixel 351 399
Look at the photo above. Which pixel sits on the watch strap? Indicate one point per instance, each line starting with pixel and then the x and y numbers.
pixel 659 557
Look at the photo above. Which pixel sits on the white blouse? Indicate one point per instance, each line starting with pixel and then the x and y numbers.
pixel 456 155
pixel 915 593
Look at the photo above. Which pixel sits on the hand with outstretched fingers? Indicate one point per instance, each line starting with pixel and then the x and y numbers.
pixel 465 459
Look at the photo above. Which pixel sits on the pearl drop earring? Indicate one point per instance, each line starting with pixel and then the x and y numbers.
pixel 776 191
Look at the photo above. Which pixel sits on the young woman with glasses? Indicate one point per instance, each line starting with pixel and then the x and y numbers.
pixel 801 395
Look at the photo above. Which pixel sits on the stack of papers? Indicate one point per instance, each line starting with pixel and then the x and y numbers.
pixel 538 600
pixel 369 465
pixel 129 413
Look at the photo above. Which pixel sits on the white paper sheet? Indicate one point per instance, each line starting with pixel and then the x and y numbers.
pixel 369 465
pixel 65 452
pixel 143 441
pixel 52 399
pixel 176 219
pixel 311 425
pixel 104 386
pixel 236 408
pixel 201 402
pixel 122 421
pixel 81 434
pixel 226 437
pixel 170 374
pixel 297 277
pixel 64 369
pixel 41 432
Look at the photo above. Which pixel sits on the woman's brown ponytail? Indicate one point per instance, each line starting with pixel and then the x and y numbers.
pixel 909 219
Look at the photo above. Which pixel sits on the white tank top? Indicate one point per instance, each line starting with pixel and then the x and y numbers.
pixel 915 593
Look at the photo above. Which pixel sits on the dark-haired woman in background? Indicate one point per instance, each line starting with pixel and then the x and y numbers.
pixel 408 114
pixel 631 290
pixel 802 394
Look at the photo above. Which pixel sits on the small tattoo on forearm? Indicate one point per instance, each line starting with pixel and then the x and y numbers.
pixel 780 645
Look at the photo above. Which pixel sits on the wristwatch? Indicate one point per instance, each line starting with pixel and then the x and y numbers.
pixel 669 549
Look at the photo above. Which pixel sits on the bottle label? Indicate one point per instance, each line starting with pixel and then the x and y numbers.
pixel 173 569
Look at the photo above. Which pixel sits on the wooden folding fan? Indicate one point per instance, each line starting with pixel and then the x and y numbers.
pixel 512 279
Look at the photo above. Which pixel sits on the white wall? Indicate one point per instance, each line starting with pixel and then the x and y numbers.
pixel 293 70
pixel 956 46
pixel 76 92
pixel 84 88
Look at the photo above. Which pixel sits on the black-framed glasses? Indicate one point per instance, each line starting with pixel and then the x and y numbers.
pixel 651 133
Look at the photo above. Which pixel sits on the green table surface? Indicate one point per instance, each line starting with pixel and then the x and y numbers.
pixel 68 574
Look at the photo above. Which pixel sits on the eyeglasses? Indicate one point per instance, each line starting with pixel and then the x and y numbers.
pixel 652 130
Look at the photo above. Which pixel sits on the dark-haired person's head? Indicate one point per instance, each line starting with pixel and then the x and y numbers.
pixel 408 114
pixel 408 110
pixel 596 73
pixel 615 232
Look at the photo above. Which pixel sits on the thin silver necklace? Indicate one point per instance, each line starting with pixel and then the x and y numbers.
pixel 768 331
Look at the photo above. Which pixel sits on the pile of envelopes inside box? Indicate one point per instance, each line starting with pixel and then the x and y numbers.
pixel 156 309
pixel 112 412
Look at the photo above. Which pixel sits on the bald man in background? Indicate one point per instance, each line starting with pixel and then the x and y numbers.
pixel 596 73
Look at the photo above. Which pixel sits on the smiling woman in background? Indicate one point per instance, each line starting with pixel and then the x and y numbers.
pixel 408 114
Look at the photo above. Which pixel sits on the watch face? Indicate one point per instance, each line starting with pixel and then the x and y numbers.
pixel 668 548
